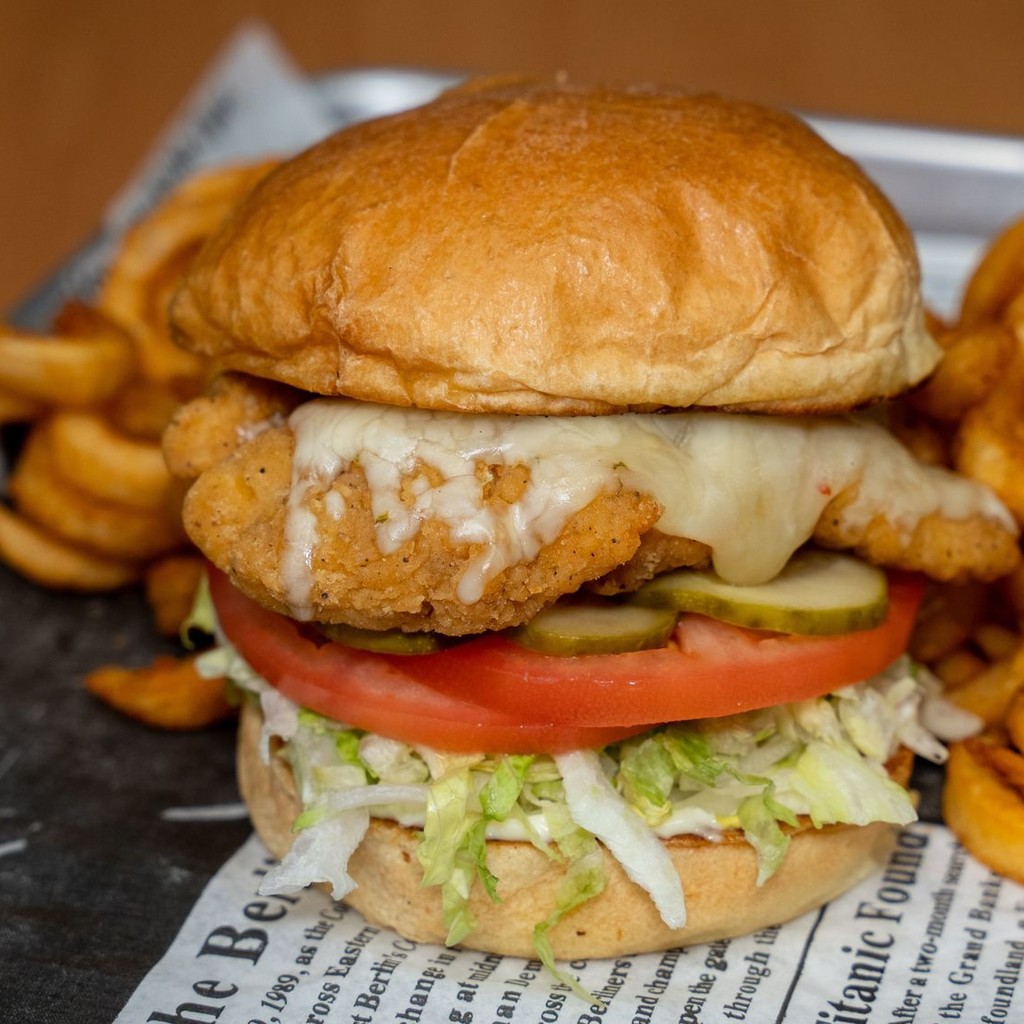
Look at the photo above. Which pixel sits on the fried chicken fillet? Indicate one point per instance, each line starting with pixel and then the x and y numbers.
pixel 239 443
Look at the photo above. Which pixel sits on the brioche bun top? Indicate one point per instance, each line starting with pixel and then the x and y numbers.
pixel 550 248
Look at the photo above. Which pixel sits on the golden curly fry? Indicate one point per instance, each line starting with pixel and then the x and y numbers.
pixel 156 252
pixel 990 693
pixel 16 409
pixel 108 465
pixel 95 501
pixel 95 485
pixel 1010 766
pixel 1015 720
pixel 989 445
pixel 51 562
pixel 84 362
pixel 1013 316
pixel 935 324
pixel 983 807
pixel 978 394
pixel 1012 589
pixel 975 359
pixel 996 641
pixel 103 527
pixel 169 693
pixel 997 280
pixel 959 667
pixel 142 409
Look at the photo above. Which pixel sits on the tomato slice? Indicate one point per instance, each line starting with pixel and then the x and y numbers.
pixel 492 694
pixel 710 669
pixel 365 690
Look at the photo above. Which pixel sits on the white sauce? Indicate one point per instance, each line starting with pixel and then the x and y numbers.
pixel 750 487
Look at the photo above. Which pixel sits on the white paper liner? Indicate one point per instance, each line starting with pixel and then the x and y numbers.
pixel 933 937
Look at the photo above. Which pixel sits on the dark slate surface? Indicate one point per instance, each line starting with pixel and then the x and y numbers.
pixel 103 883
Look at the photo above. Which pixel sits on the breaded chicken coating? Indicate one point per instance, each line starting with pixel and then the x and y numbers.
pixel 236 512
pixel 236 442
pixel 208 429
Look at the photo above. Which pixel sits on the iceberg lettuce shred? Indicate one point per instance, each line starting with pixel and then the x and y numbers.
pixel 758 772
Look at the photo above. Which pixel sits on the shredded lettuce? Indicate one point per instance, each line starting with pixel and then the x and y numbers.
pixel 839 785
pixel 759 772
pixel 647 774
pixel 584 879
pixel 501 792
pixel 453 852
pixel 596 806
pixel 320 853
pixel 761 827
pixel 384 758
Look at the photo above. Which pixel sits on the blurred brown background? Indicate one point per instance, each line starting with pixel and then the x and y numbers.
pixel 85 86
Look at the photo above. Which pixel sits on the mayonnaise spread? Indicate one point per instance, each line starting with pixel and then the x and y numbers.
pixel 750 487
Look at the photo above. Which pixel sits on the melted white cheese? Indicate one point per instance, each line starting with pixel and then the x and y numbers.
pixel 750 487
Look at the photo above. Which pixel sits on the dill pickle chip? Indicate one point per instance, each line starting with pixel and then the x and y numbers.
pixel 380 641
pixel 818 593
pixel 608 628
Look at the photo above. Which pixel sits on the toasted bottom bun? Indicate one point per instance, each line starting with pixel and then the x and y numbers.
pixel 722 899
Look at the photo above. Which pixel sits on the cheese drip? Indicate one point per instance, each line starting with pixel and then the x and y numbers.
pixel 750 487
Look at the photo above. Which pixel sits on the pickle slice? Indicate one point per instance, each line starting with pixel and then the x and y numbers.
pixel 381 641
pixel 572 629
pixel 818 593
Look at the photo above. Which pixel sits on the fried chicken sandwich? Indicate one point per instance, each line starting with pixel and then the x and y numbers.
pixel 555 529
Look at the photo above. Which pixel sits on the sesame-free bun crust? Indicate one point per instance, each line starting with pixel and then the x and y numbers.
pixel 548 248
pixel 722 899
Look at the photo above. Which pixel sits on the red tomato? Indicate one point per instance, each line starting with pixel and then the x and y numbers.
pixel 365 690
pixel 710 669
pixel 491 694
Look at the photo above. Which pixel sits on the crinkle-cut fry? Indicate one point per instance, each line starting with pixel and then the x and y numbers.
pixel 989 444
pixel 105 528
pixel 169 694
pixel 171 585
pixel 975 359
pixel 106 464
pixel 989 693
pixel 154 255
pixel 984 811
pixel 51 562
pixel 997 279
pixel 83 364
